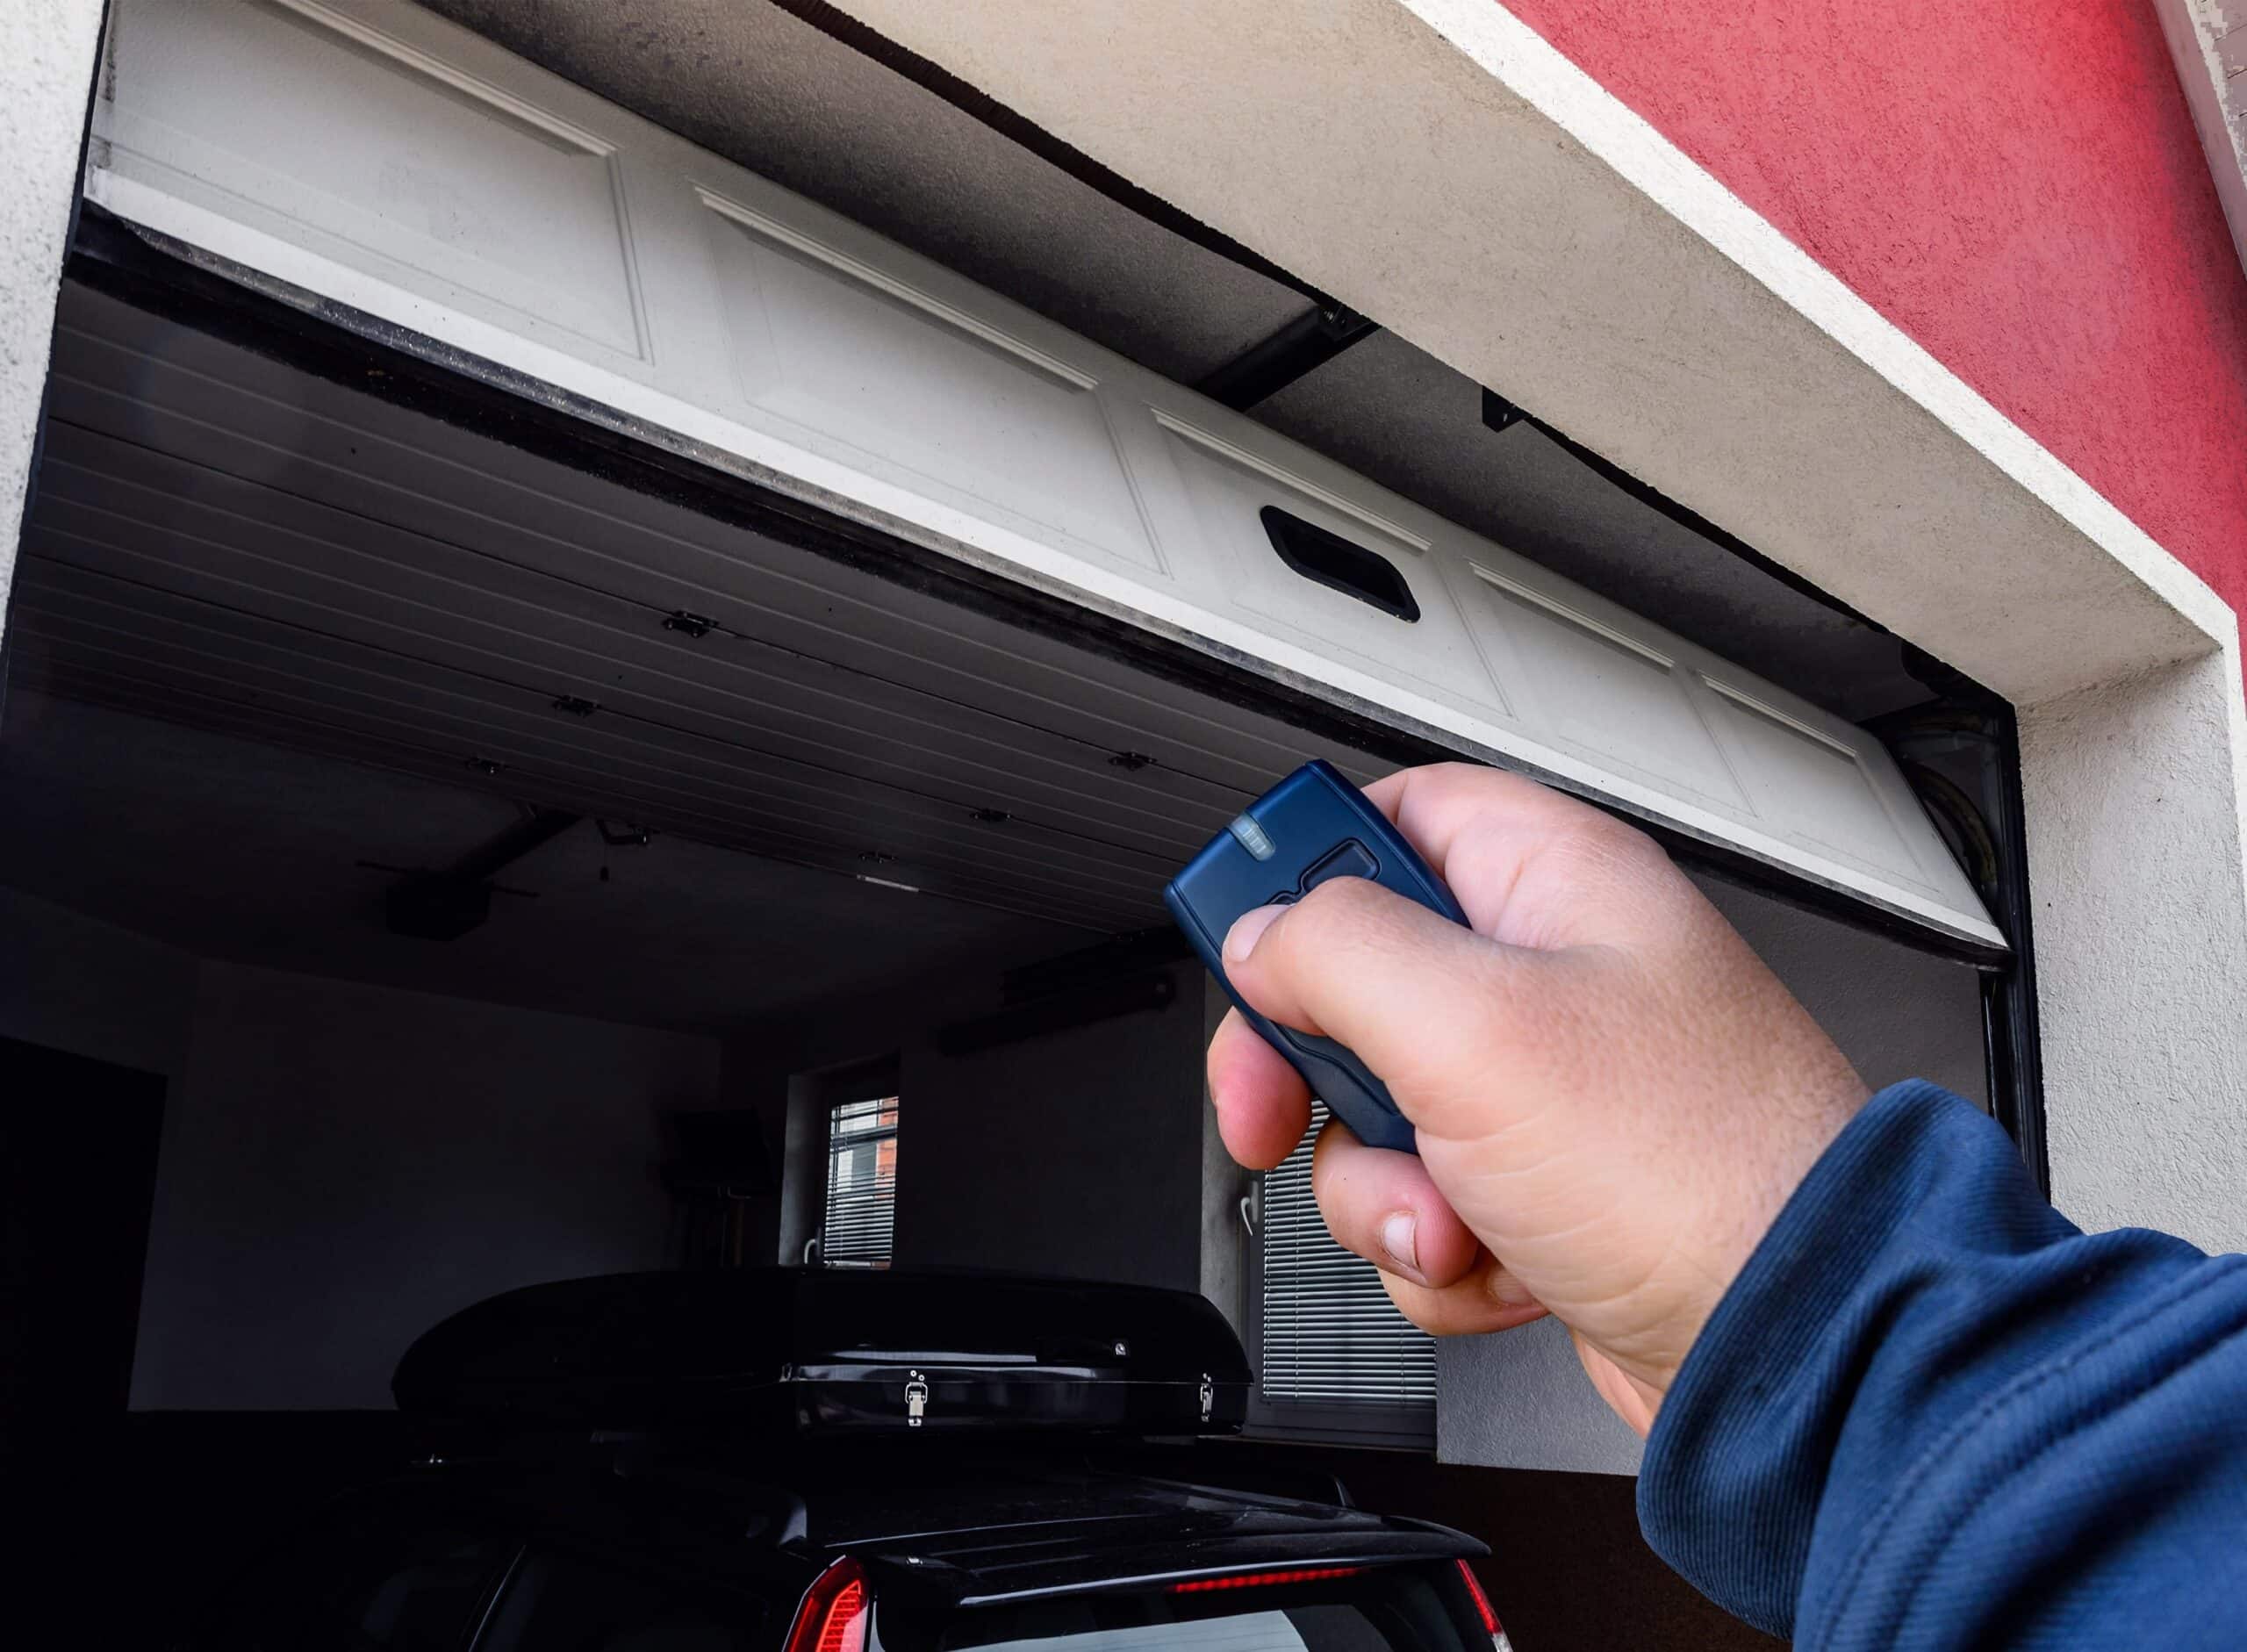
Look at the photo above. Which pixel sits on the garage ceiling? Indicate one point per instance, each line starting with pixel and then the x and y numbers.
pixel 255 854
pixel 758 85
pixel 227 542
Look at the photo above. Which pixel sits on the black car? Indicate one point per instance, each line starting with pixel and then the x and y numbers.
pixel 838 1463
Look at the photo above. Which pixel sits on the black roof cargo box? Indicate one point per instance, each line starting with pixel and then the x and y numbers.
pixel 809 1350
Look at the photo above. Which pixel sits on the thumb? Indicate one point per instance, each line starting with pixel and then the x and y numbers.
pixel 1429 1005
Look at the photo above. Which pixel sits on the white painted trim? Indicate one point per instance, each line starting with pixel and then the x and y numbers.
pixel 2218 111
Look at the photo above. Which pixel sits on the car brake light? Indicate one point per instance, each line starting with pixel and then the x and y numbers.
pixel 833 1617
pixel 1258 1580
pixel 1482 1604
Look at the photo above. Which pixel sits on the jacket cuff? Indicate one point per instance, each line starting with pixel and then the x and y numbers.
pixel 1736 1467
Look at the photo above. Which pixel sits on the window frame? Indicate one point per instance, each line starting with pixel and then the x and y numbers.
pixel 875 1136
pixel 814 1094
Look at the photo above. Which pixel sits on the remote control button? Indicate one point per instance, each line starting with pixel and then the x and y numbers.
pixel 1349 860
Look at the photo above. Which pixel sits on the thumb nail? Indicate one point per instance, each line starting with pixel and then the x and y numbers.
pixel 1247 930
pixel 1400 1238
pixel 1507 1291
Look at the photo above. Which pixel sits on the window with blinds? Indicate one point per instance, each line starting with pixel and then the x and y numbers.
pixel 1334 1356
pixel 861 1183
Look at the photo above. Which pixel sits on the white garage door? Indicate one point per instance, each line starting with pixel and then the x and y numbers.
pixel 367 154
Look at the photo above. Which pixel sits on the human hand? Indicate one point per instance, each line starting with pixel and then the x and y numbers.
pixel 1613 1095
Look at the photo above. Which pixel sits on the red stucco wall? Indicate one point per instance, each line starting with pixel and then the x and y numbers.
pixel 2018 187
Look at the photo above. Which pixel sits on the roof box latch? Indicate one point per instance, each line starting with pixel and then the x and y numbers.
pixel 917 1399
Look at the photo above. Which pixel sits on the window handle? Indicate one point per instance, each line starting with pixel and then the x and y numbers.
pixel 1248 1209
pixel 811 1250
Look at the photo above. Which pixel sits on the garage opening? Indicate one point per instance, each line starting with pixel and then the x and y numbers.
pixel 457 832
pixel 452 869
pixel 510 874
pixel 516 875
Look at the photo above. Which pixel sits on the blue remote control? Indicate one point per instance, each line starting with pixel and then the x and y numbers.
pixel 1312 826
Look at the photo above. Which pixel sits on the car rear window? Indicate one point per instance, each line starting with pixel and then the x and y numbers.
pixel 557 1602
pixel 365 1584
pixel 1387 1610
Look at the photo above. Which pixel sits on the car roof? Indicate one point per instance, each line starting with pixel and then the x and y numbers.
pixel 1030 1532
pixel 949 1526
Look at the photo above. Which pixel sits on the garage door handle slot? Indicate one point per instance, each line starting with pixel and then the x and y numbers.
pixel 1328 559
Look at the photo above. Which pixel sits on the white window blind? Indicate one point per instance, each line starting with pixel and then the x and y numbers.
pixel 861 1183
pixel 1329 1335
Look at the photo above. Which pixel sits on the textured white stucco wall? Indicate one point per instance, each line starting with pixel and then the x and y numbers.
pixel 47 50
pixel 2137 866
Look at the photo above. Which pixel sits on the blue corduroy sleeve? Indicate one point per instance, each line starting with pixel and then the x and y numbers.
pixel 1932 1413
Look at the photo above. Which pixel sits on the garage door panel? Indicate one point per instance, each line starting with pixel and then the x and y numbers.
pixel 1230 484
pixel 1599 689
pixel 819 360
pixel 1784 759
pixel 864 358
pixel 496 197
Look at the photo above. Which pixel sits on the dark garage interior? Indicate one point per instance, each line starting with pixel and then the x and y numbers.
pixel 418 907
